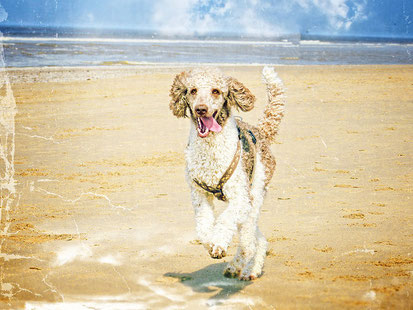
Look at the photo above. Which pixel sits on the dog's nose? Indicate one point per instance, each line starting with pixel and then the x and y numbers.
pixel 201 110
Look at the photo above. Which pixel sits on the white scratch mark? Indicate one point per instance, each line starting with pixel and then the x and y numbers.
pixel 41 137
pixel 8 195
pixel 8 257
pixel 325 145
pixel 47 180
pixel 122 278
pixel 372 252
pixel 27 128
pixel 77 230
pixel 20 289
pixel 73 201
pixel 53 288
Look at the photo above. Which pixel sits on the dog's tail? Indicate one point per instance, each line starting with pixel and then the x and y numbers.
pixel 274 111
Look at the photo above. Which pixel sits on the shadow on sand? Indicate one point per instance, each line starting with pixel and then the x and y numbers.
pixel 211 279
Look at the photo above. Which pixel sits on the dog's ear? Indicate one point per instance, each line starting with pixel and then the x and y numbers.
pixel 239 95
pixel 178 93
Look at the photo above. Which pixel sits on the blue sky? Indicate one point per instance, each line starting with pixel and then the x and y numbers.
pixel 266 18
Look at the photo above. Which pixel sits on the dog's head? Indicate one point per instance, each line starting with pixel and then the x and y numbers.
pixel 208 95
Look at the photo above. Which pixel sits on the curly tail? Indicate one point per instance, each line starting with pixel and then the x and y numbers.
pixel 274 111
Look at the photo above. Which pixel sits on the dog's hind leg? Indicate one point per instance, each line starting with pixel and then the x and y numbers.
pixel 253 250
pixel 235 267
pixel 252 241
pixel 248 246
pixel 254 267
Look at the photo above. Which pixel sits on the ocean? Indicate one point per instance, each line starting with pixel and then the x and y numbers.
pixel 34 49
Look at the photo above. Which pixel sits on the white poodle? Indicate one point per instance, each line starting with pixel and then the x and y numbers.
pixel 229 160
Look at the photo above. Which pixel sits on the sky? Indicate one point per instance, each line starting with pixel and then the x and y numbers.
pixel 258 18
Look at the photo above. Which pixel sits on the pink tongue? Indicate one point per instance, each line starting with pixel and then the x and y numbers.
pixel 211 124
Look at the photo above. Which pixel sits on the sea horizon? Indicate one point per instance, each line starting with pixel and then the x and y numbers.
pixel 126 33
pixel 66 46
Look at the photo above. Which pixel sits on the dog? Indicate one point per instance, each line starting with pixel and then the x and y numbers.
pixel 229 160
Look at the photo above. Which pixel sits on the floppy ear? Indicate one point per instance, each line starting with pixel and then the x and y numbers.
pixel 239 95
pixel 178 92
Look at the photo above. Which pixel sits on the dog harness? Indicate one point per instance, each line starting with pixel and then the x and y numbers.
pixel 242 140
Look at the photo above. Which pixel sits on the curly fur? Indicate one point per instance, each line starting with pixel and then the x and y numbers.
pixel 178 92
pixel 207 159
pixel 240 96
pixel 274 111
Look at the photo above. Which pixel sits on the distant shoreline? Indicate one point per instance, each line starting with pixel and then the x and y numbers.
pixel 109 33
pixel 45 50
pixel 192 41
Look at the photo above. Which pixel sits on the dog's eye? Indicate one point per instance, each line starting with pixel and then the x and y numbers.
pixel 215 91
pixel 193 91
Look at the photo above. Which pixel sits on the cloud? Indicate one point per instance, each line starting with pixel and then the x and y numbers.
pixel 255 17
pixel 199 17
pixel 3 14
pixel 260 18
pixel 189 16
pixel 253 25
pixel 340 14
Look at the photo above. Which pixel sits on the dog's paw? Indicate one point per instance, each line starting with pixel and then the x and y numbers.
pixel 248 277
pixel 232 272
pixel 217 252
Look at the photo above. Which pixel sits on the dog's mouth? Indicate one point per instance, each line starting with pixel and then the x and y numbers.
pixel 207 124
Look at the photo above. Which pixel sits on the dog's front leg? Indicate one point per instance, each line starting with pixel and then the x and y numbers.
pixel 204 216
pixel 227 223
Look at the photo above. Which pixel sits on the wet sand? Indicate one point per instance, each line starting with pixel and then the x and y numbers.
pixel 101 215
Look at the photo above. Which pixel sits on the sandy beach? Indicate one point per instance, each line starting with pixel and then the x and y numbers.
pixel 101 215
